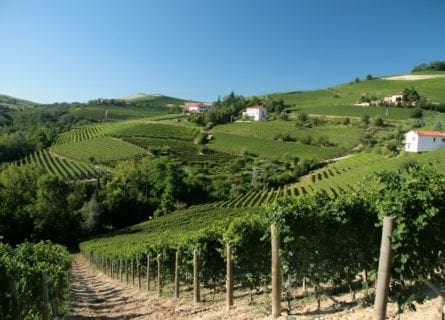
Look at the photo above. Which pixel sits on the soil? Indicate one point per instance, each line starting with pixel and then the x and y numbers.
pixel 96 296
pixel 415 77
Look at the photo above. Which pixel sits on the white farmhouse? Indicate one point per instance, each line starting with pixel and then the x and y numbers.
pixel 255 113
pixel 422 140
pixel 197 107
pixel 394 99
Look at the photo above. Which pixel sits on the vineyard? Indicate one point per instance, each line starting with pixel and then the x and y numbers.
pixel 334 178
pixel 63 168
pixel 132 128
pixel 327 242
pixel 33 281
pixel 100 149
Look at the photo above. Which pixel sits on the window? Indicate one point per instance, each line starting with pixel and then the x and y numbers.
pixel 434 139
pixel 443 139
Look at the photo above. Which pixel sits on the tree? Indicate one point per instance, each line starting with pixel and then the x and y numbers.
pixel 378 122
pixel 416 113
pixel 366 119
pixel 369 77
pixel 437 126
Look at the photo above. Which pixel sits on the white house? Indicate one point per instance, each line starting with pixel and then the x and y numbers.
pixel 393 99
pixel 197 107
pixel 255 113
pixel 423 140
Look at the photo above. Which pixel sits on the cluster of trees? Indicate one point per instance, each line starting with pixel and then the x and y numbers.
pixel 432 66
pixel 224 111
pixel 27 130
pixel 38 206
pixel 230 107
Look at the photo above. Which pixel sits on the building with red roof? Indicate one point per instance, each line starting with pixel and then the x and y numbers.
pixel 424 140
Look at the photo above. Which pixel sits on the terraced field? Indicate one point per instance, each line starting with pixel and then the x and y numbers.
pixel 238 144
pixel 99 149
pixel 65 169
pixel 132 128
pixel 333 178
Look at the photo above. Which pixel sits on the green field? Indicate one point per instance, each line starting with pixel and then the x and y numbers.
pixel 131 128
pixel 117 113
pixel 340 135
pixel 338 100
pixel 100 149
pixel 258 138
pixel 239 145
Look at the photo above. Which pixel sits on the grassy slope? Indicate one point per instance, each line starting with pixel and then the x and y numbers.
pixel 145 106
pixel 258 138
pixel 338 100
pixel 156 100
pixel 15 103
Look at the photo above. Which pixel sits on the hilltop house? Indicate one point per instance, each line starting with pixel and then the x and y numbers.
pixel 393 99
pixel 255 113
pixel 197 107
pixel 422 140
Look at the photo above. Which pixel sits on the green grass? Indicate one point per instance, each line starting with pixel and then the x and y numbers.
pixel 338 100
pixel 156 130
pixel 237 144
pixel 100 149
pixel 342 136
pixel 117 113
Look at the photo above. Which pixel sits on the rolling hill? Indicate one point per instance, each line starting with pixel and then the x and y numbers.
pixel 15 103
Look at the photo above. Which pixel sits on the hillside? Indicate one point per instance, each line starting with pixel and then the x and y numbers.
pixel 15 103
pixel 153 99
pixel 338 100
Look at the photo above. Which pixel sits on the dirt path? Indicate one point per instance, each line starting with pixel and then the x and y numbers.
pixel 96 296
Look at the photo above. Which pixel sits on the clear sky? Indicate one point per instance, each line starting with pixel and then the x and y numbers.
pixel 64 50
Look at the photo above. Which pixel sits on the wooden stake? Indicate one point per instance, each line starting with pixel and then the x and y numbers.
pixel 384 273
pixel 276 272
pixel 177 274
pixel 229 277
pixel 159 275
pixel 148 272
pixel 138 270
pixel 196 286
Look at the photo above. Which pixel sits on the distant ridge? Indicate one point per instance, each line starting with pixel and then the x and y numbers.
pixel 15 103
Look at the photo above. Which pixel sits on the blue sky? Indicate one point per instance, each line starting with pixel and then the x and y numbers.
pixel 198 49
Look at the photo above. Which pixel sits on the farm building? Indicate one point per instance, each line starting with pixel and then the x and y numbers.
pixel 255 113
pixel 393 99
pixel 422 140
pixel 197 107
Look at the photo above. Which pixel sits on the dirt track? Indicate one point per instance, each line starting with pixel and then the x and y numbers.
pixel 96 296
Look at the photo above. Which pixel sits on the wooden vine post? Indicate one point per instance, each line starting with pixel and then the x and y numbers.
pixel 196 286
pixel 384 271
pixel 159 275
pixel 177 257
pixel 276 272
pixel 132 271
pixel 120 269
pixel 126 270
pixel 138 270
pixel 148 272
pixel 229 276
